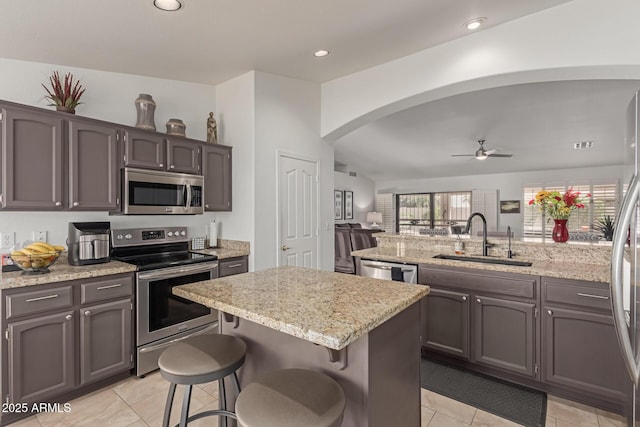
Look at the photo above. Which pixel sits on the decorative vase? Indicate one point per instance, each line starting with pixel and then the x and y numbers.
pixel 145 108
pixel 65 109
pixel 176 127
pixel 560 231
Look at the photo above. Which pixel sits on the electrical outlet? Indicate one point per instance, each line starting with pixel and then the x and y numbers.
pixel 39 236
pixel 7 240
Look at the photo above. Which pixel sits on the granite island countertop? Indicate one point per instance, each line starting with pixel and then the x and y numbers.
pixel 322 307
pixel 541 267
pixel 61 271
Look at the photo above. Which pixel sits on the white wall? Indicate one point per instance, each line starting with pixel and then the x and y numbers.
pixel 235 106
pixel 576 40
pixel 287 120
pixel 110 97
pixel 364 194
pixel 509 186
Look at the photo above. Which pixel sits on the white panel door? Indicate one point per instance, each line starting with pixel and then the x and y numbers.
pixel 298 204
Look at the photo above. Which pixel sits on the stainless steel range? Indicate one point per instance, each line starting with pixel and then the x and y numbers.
pixel 163 261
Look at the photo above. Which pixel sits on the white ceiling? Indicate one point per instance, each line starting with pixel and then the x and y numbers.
pixel 210 41
pixel 537 123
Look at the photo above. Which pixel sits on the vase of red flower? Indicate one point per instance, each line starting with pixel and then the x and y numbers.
pixel 558 207
pixel 560 231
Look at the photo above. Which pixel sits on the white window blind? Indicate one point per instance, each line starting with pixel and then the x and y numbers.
pixel 384 205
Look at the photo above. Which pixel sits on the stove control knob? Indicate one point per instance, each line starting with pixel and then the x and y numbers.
pixel 119 237
pixel 183 233
pixel 176 233
pixel 169 234
pixel 128 236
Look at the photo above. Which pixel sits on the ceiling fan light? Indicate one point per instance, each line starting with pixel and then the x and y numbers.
pixel 481 156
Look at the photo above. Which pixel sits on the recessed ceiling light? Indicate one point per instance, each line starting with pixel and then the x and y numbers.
pixel 321 53
pixel 474 23
pixel 168 5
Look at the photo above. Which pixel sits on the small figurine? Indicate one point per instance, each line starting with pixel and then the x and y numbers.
pixel 212 132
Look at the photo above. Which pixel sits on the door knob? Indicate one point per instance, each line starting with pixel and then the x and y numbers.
pixel 285 248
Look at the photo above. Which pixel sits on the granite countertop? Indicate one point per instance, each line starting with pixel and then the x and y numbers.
pixel 223 253
pixel 61 271
pixel 566 270
pixel 322 307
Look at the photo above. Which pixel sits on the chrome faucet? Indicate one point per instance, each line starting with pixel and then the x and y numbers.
pixel 509 253
pixel 485 244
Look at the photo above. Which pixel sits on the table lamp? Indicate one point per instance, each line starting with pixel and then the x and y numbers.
pixel 374 218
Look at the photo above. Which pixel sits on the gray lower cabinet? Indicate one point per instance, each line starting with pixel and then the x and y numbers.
pixel 487 318
pixel 216 168
pixel 32 166
pixel 231 266
pixel 105 340
pixel 41 357
pixel 580 348
pixel 504 334
pixel 446 322
pixel 62 337
pixel 93 166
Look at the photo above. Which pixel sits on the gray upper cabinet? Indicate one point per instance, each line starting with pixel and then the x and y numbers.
pixel 105 340
pixel 183 156
pixel 216 168
pixel 32 166
pixel 93 166
pixel 41 359
pixel 446 322
pixel 144 149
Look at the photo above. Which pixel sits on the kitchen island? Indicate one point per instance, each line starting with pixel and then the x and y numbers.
pixel 364 333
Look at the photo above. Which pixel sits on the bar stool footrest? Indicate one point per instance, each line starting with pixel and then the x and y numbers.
pixel 210 413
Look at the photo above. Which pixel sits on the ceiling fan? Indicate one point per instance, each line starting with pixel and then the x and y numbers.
pixel 481 153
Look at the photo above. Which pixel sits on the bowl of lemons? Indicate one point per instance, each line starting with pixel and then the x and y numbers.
pixel 37 257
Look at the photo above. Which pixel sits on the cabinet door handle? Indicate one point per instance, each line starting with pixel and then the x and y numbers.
pixel 206 206
pixel 234 265
pixel 76 204
pixel 550 313
pixel 58 203
pixel 580 294
pixel 68 317
pixel 87 313
pixel 42 298
pixel 101 288
pixel 478 300
pixel 464 298
pixel 172 167
pixel 161 165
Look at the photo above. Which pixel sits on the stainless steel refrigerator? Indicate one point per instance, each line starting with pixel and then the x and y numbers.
pixel 625 263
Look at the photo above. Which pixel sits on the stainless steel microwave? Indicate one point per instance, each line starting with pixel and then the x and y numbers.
pixel 149 192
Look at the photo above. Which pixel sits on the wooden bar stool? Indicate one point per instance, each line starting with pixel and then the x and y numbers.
pixel 291 398
pixel 197 360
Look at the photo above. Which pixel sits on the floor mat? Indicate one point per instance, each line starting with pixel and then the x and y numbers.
pixel 511 401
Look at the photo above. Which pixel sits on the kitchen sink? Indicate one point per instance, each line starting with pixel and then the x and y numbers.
pixel 486 260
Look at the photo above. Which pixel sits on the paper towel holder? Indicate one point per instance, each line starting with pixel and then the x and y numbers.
pixel 213 234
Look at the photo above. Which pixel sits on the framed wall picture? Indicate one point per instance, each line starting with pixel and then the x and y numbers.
pixel 509 206
pixel 337 204
pixel 348 205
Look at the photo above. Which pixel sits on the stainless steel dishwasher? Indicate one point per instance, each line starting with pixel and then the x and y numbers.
pixel 407 273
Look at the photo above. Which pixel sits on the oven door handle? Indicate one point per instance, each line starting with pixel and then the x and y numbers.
pixel 177 271
pixel 212 327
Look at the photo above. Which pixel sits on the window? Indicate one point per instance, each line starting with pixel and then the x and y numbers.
pixel 603 201
pixel 421 212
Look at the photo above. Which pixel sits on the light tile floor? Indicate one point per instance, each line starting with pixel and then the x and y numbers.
pixel 138 402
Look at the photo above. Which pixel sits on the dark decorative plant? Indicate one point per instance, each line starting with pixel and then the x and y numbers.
pixel 605 225
pixel 64 93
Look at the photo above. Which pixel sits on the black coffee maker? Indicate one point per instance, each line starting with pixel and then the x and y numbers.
pixel 89 243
